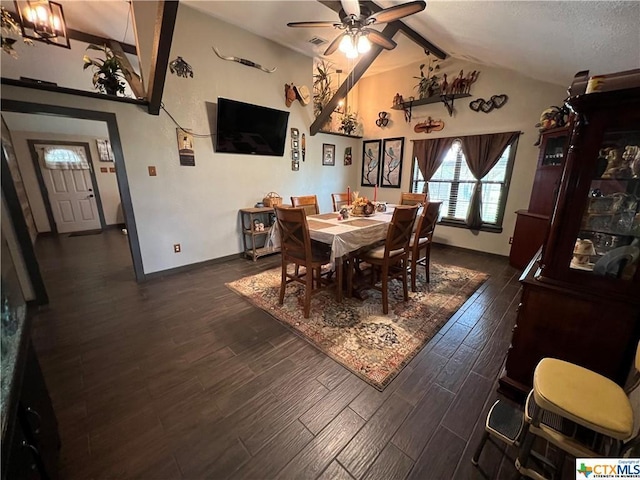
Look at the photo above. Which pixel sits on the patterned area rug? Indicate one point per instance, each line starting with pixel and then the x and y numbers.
pixel 356 333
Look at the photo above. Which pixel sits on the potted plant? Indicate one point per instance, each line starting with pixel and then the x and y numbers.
pixel 322 91
pixel 428 84
pixel 349 123
pixel 108 73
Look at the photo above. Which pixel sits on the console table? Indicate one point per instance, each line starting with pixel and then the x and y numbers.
pixel 255 242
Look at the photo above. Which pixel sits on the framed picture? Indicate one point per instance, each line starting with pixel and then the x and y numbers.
pixel 347 156
pixel 328 154
pixel 295 155
pixel 185 148
pixel 294 144
pixel 370 163
pixel 104 150
pixel 392 150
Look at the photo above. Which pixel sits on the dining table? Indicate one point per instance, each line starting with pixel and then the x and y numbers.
pixel 346 236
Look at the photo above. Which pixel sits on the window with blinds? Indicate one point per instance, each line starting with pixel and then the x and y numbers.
pixel 453 185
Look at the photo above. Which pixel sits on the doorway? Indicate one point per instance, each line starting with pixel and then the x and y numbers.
pixel 68 185
pixel 122 181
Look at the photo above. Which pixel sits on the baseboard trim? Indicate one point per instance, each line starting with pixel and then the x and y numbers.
pixel 191 266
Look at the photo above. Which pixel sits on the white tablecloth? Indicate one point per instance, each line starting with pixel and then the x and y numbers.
pixel 344 236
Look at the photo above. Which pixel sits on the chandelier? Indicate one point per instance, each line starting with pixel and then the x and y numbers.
pixel 44 21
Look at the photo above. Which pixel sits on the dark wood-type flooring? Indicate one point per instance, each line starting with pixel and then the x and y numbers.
pixel 179 377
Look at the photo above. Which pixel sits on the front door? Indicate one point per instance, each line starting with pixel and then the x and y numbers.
pixel 70 190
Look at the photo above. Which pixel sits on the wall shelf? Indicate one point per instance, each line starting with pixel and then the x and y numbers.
pixel 339 134
pixel 426 101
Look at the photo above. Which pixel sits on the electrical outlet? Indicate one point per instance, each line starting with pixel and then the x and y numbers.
pixel 510 240
pixel 177 248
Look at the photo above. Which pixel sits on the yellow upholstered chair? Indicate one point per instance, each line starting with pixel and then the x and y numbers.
pixel 339 200
pixel 391 259
pixel 297 249
pixel 308 202
pixel 407 198
pixel 421 241
pixel 580 412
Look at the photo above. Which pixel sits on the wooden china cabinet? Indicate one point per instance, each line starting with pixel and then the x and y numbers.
pixel 532 225
pixel 585 308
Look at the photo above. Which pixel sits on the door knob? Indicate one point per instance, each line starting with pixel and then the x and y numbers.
pixel 90 196
pixel 91 189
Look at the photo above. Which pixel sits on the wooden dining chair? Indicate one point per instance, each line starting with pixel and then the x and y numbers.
pixel 308 202
pixel 339 200
pixel 407 198
pixel 421 240
pixel 296 248
pixel 390 259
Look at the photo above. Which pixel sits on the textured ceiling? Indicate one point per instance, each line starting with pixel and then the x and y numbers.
pixel 549 41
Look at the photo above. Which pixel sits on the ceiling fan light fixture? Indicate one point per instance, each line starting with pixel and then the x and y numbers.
pixel 43 20
pixel 364 45
pixel 345 44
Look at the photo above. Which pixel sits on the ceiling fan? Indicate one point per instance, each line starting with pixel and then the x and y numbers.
pixel 355 20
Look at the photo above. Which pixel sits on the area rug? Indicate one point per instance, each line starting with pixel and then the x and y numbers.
pixel 356 333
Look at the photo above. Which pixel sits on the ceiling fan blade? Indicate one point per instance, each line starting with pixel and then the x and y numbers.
pixel 351 7
pixel 333 46
pixel 396 12
pixel 311 24
pixel 379 39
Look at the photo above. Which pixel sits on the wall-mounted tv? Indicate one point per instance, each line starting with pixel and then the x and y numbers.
pixel 250 129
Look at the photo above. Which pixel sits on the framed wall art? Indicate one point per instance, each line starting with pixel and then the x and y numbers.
pixel 370 163
pixel 328 154
pixel 105 154
pixel 392 150
pixel 185 148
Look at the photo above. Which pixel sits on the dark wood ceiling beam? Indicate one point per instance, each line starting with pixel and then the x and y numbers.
pixel 360 68
pixel 133 79
pixel 97 40
pixel 165 26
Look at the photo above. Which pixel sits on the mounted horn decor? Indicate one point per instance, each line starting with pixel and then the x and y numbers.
pixel 244 61
pixel 430 125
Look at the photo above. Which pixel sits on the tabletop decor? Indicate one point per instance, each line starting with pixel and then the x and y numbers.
pixel 354 333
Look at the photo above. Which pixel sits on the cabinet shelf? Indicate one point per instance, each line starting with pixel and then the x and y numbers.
pixel 426 101
pixel 254 248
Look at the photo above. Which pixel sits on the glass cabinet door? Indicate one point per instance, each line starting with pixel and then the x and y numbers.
pixel 608 242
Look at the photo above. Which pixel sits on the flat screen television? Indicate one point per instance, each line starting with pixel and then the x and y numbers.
pixel 250 129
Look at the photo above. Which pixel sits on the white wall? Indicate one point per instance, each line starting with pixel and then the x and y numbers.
pixel 198 206
pixel 527 99
pixel 107 184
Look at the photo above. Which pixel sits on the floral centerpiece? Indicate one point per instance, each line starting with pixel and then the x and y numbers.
pixel 362 205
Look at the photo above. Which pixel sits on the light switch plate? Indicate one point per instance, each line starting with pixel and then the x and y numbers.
pixel 152 171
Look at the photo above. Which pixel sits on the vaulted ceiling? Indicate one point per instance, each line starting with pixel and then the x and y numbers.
pixel 549 41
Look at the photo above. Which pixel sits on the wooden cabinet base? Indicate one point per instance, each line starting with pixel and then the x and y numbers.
pixel 528 236
pixel 560 321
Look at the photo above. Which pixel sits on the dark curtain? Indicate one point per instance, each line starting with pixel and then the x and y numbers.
pixel 482 152
pixel 430 155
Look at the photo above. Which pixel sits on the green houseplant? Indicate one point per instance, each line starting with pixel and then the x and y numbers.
pixel 322 91
pixel 349 123
pixel 108 73
pixel 428 83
